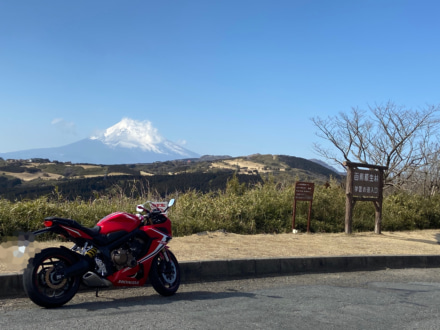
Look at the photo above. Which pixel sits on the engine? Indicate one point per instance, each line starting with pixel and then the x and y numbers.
pixel 127 254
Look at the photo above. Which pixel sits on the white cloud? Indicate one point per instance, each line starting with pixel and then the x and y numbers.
pixel 66 127
pixel 56 121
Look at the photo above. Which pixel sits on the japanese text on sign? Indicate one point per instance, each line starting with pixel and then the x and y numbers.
pixel 304 191
pixel 365 183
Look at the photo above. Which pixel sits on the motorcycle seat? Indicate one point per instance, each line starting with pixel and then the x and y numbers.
pixel 93 232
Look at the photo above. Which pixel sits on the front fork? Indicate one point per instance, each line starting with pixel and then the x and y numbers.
pixel 166 265
pixel 164 253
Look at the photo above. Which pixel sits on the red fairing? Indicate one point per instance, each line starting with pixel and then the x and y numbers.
pixel 164 227
pixel 119 221
pixel 75 232
pixel 127 276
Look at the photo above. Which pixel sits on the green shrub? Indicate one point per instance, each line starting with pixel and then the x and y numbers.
pixel 263 208
pixel 328 212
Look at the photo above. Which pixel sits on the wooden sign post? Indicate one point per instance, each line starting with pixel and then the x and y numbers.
pixel 303 192
pixel 364 185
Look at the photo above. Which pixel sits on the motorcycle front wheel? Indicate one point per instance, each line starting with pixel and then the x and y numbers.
pixel 165 275
pixel 42 281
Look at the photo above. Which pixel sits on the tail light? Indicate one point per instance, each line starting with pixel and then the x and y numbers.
pixel 48 223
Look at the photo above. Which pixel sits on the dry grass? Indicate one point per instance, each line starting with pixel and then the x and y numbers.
pixel 86 167
pixel 99 175
pixel 219 245
pixel 25 176
pixel 241 163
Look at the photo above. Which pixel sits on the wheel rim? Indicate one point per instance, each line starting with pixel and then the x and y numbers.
pixel 48 280
pixel 169 275
pixel 52 280
pixel 167 272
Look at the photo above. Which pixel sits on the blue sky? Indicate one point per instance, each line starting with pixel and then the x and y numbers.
pixel 232 77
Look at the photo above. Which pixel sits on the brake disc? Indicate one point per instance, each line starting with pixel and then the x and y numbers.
pixel 51 281
pixel 169 275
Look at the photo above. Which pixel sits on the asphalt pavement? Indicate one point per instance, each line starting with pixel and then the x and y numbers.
pixel 222 270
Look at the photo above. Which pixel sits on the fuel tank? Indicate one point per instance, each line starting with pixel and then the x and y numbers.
pixel 118 221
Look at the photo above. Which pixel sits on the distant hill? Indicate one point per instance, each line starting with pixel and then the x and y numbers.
pixel 320 162
pixel 32 178
pixel 284 167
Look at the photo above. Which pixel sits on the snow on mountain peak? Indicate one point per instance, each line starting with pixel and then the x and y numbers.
pixel 129 133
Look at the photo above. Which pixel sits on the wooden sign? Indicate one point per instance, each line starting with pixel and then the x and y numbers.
pixel 364 185
pixel 366 182
pixel 303 192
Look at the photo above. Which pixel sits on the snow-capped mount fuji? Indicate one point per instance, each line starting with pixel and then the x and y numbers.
pixel 127 142
pixel 132 134
pixel 129 133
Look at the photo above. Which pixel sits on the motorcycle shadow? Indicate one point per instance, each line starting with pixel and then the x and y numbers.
pixel 130 297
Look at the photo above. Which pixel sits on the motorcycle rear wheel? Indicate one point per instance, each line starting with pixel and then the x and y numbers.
pixel 40 278
pixel 165 276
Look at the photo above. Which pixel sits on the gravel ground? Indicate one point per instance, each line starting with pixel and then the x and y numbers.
pixel 221 245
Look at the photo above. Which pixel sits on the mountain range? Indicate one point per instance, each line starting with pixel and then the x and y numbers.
pixel 127 142
pixel 133 149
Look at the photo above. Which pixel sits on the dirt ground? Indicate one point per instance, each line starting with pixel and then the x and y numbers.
pixel 220 245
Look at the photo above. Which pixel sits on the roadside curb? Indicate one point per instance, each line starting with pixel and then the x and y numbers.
pixel 221 270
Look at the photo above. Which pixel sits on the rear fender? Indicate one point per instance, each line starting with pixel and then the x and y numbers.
pixel 54 229
pixel 42 231
pixel 76 256
pixel 82 265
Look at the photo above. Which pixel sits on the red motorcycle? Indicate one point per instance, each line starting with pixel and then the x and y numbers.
pixel 121 250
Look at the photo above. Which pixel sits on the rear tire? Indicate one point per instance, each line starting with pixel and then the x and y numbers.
pixel 165 276
pixel 40 278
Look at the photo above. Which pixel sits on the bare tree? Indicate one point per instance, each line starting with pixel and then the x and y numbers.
pixel 401 139
pixel 426 180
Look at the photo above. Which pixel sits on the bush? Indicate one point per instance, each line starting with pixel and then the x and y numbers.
pixel 403 211
pixel 243 209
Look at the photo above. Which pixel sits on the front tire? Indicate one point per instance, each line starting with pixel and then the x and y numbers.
pixel 165 276
pixel 42 283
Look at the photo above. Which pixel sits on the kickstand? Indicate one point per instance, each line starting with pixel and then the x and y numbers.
pixel 96 293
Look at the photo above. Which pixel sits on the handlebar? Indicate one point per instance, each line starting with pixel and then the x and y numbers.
pixel 141 208
pixel 154 213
